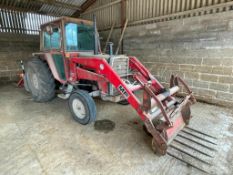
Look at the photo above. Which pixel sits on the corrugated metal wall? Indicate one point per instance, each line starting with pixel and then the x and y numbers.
pixel 106 11
pixel 141 11
pixel 22 22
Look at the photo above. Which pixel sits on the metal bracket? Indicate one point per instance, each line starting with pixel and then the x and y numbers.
pixel 67 94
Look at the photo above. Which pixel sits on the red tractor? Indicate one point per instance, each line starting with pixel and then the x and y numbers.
pixel 70 62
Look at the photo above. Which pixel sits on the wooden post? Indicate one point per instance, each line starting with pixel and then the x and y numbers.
pixel 123 20
pixel 122 35
pixel 109 36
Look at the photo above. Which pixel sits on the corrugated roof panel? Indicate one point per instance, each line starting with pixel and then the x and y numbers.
pixel 58 11
pixel 57 7
pixel 73 2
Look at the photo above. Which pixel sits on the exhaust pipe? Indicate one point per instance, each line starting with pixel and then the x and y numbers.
pixel 95 35
pixel 110 47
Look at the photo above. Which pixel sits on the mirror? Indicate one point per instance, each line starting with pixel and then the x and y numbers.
pixel 49 29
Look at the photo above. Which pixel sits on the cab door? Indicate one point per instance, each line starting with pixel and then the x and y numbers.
pixel 51 44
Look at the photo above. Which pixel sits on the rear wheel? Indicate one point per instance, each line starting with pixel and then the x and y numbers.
pixel 40 80
pixel 82 107
pixel 25 82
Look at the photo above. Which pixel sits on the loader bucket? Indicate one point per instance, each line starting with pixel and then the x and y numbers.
pixel 168 118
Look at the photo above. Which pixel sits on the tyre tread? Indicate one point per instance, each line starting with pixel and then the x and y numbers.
pixel 90 104
pixel 46 81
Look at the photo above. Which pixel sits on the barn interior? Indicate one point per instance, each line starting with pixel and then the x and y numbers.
pixel 191 39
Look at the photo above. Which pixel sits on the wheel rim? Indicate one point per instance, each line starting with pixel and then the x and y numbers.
pixel 35 81
pixel 79 108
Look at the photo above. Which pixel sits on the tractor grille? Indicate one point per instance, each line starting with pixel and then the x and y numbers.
pixel 121 65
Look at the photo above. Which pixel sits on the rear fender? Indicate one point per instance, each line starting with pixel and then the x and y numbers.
pixel 48 58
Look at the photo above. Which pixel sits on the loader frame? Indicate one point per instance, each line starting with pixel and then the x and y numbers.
pixel 162 134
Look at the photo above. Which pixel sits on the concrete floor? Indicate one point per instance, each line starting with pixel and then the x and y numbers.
pixel 38 138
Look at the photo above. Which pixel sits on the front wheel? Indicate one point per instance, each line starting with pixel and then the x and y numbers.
pixel 82 107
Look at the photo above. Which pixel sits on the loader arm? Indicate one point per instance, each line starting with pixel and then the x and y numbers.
pixel 157 104
pixel 103 68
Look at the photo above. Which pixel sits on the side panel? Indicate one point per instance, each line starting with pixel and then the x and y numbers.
pixel 59 73
pixel 60 66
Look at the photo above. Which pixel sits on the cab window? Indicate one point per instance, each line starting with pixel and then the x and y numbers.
pixel 52 40
pixel 79 37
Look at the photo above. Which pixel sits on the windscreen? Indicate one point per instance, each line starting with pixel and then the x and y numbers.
pixel 79 37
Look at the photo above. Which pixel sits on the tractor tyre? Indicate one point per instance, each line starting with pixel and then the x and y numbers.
pixel 25 82
pixel 82 107
pixel 40 80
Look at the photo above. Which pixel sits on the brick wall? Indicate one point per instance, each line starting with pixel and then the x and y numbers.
pixel 198 49
pixel 13 48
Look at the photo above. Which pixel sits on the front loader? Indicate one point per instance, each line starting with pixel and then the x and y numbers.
pixel 70 64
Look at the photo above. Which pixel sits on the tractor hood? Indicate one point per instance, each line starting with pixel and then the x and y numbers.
pixel 105 56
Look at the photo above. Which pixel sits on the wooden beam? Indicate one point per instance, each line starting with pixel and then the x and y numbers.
pixel 102 7
pixel 84 7
pixel 123 13
pixel 123 24
pixel 87 4
pixel 121 38
pixel 109 36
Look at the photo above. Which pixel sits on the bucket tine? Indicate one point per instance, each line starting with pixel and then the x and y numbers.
pixel 185 152
pixel 195 149
pixel 187 163
pixel 212 149
pixel 200 132
pixel 203 139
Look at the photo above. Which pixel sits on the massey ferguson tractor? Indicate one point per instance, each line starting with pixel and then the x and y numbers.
pixel 71 65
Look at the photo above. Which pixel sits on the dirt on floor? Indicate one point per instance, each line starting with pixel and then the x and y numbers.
pixel 42 138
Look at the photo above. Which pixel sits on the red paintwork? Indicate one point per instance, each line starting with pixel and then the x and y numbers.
pixel 177 126
pixel 110 75
pixel 20 83
pixel 137 65
pixel 98 69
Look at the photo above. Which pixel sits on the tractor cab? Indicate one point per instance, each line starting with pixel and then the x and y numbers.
pixel 63 39
pixel 67 35
pixel 66 38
